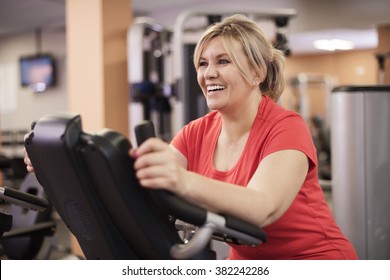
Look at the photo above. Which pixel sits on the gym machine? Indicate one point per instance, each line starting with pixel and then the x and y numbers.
pixel 150 75
pixel 360 167
pixel 90 180
pixel 25 219
pixel 381 59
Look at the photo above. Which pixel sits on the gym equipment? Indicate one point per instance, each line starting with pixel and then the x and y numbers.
pixel 150 75
pixel 23 199
pixel 90 180
pixel 360 167
pixel 381 59
pixel 26 221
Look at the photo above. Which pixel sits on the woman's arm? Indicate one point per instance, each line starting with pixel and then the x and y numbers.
pixel 268 195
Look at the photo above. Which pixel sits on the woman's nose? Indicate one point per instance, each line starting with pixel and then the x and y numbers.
pixel 211 71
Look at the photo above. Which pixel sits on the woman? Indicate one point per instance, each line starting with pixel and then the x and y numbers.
pixel 249 157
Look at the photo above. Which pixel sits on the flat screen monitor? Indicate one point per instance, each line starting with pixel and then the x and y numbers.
pixel 38 71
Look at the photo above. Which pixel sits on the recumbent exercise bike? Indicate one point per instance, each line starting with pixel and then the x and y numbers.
pixel 90 181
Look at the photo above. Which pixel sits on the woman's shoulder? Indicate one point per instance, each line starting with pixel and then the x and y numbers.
pixel 196 132
pixel 274 112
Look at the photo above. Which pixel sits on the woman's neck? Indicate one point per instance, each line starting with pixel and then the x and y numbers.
pixel 235 125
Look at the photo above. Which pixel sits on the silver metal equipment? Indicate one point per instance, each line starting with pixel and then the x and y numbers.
pixel 360 141
pixel 150 75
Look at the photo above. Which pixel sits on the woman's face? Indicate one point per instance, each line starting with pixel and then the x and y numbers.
pixel 221 82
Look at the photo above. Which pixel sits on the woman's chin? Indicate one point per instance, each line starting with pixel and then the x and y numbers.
pixel 213 106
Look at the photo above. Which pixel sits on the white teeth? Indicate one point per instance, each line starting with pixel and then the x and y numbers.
pixel 216 87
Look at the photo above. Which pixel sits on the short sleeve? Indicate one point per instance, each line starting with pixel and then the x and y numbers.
pixel 179 141
pixel 290 132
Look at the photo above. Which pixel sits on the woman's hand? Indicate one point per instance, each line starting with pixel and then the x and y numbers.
pixel 27 161
pixel 157 166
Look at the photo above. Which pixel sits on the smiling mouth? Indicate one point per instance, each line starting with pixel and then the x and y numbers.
pixel 214 88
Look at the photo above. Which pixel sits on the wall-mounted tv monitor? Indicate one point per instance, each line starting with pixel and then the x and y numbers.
pixel 38 71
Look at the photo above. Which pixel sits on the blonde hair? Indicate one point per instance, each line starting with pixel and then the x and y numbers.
pixel 262 57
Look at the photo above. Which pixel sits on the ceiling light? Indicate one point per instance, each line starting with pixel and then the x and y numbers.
pixel 333 44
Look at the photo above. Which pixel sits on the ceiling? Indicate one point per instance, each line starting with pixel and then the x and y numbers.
pixel 354 20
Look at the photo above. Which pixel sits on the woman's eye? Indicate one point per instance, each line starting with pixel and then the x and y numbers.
pixel 223 61
pixel 202 63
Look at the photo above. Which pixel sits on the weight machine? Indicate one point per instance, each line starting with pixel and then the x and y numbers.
pixel 150 78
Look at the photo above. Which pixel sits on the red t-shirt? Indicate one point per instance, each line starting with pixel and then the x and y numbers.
pixel 307 229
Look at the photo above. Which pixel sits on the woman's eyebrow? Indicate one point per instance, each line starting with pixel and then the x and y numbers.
pixel 217 56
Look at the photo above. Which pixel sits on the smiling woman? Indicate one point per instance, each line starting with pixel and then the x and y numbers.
pixel 262 66
pixel 221 82
pixel 249 157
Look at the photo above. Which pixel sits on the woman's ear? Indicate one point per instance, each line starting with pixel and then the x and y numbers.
pixel 257 80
